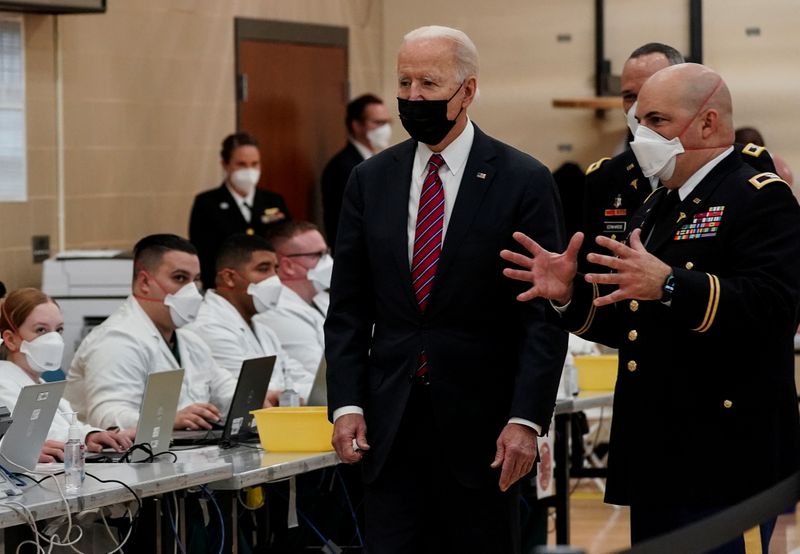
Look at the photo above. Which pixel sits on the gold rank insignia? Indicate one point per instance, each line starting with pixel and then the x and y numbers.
pixel 271 215
pixel 635 184
pixel 753 150
pixel 630 166
pixel 596 165
pixel 763 179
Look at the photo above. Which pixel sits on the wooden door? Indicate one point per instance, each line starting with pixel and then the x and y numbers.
pixel 294 104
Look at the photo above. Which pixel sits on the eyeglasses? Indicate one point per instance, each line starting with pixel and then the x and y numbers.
pixel 316 255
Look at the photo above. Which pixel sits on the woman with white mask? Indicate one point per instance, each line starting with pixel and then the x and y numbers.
pixel 31 325
pixel 236 206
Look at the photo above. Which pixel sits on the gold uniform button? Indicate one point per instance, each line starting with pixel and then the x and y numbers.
pixel 613 237
pixel 634 305
pixel 728 404
pixel 250 231
pixel 633 335
pixel 689 265
pixel 632 365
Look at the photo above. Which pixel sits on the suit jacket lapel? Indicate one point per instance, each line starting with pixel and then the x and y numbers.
pixel 233 213
pixel 476 180
pixel 398 187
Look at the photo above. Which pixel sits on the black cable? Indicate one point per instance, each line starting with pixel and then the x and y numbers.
pixel 38 481
pixel 133 492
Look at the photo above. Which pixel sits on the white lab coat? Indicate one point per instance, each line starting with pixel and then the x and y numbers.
pixel 107 378
pixel 13 378
pixel 232 341
pixel 299 327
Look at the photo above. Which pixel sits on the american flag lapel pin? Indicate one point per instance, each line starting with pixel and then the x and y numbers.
pixel 481 175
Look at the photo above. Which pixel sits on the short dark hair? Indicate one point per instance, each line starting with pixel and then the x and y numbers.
pixel 673 56
pixel 281 232
pixel 148 252
pixel 234 141
pixel 237 250
pixel 745 135
pixel 357 106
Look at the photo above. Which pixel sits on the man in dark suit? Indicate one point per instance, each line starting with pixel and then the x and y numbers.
pixel 702 305
pixel 615 187
pixel 236 206
pixel 438 380
pixel 368 132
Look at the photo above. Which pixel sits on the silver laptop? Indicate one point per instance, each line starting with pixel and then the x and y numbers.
pixel 157 414
pixel 319 389
pixel 33 414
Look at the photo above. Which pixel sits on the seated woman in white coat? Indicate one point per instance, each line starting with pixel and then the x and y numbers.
pixel 246 284
pixel 31 325
pixel 107 378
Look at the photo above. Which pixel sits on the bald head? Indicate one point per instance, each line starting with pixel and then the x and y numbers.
pixel 691 102
pixel 693 88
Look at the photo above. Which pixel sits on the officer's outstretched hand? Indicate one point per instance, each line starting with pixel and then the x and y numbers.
pixel 549 274
pixel 637 273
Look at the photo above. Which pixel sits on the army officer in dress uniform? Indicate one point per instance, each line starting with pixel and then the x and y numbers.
pixel 615 187
pixel 702 305
pixel 236 206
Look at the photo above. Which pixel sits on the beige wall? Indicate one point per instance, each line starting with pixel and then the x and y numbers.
pixel 148 96
pixel 148 93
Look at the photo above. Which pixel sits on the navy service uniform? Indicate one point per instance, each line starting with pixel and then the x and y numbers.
pixel 705 407
pixel 616 188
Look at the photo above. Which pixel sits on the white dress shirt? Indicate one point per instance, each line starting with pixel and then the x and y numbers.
pixel 365 152
pixel 107 378
pixel 299 328
pixel 13 378
pixel 245 203
pixel 232 341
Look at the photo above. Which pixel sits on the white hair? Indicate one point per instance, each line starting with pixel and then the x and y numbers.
pixel 464 49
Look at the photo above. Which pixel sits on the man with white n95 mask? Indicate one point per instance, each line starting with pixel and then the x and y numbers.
pixel 304 267
pixel 108 374
pixel 246 285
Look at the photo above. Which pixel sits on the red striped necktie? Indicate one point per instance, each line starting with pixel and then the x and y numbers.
pixel 428 240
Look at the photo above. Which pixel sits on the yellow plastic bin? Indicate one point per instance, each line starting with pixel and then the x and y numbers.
pixel 294 429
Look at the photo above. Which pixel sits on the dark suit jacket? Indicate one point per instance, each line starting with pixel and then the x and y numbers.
pixel 705 400
pixel 216 216
pixel 616 188
pixel 490 357
pixel 334 179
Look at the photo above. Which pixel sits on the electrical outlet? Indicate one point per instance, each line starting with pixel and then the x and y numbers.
pixel 40 244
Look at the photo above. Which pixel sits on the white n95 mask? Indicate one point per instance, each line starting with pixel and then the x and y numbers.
pixel 655 154
pixel 184 304
pixel 320 274
pixel 630 118
pixel 44 352
pixel 265 293
pixel 379 137
pixel 246 179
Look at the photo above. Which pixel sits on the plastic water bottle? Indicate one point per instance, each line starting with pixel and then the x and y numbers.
pixel 289 397
pixel 74 469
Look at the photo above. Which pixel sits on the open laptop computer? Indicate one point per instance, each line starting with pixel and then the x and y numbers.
pixel 251 388
pixel 33 414
pixel 319 389
pixel 156 417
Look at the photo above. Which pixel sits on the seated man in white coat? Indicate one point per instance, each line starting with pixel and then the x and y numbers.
pixel 304 268
pixel 109 371
pixel 246 284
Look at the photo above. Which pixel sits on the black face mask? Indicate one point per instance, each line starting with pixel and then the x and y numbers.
pixel 426 120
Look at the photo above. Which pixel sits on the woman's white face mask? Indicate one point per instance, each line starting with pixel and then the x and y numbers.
pixel 265 293
pixel 44 353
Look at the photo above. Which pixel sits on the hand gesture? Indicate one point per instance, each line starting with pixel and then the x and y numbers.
pixel 549 274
